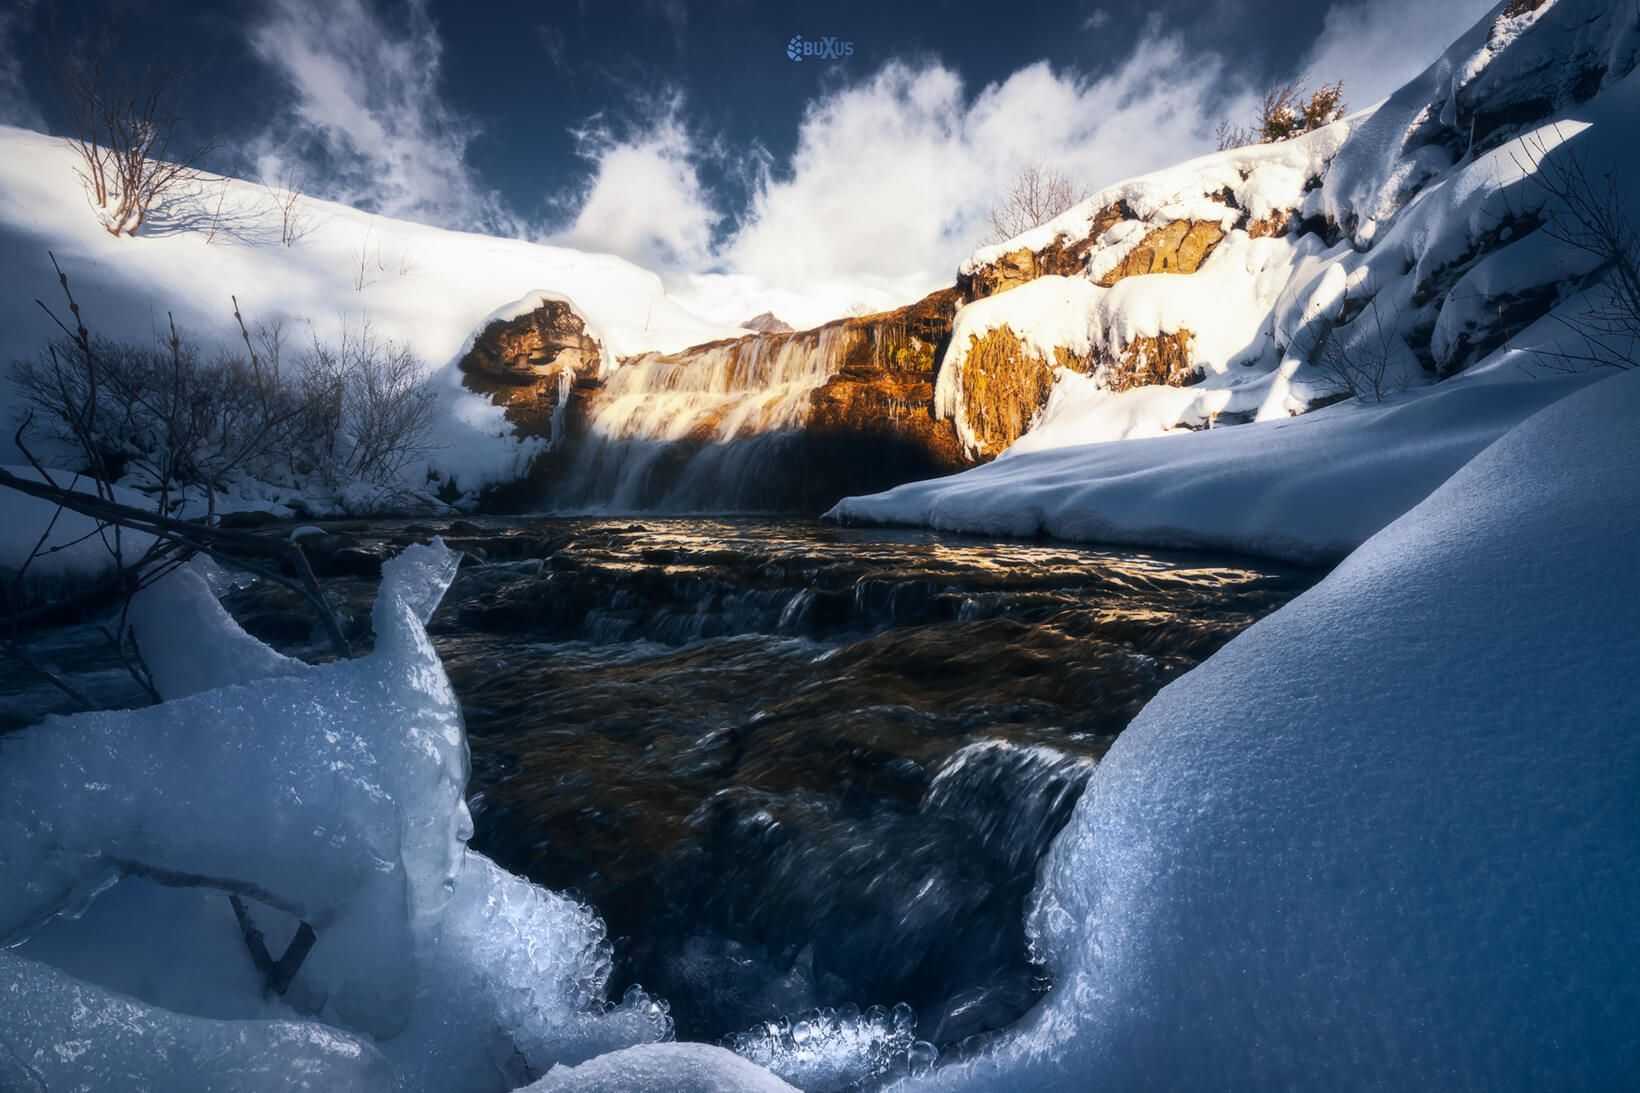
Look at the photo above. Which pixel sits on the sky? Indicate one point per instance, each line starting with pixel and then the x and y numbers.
pixel 681 136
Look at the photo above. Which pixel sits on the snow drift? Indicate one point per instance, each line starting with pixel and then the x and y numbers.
pixel 1383 839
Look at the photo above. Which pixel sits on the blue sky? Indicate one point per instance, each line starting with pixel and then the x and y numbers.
pixel 680 135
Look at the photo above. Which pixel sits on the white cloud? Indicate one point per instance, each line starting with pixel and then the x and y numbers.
pixel 16 106
pixel 645 200
pixel 368 119
pixel 896 175
pixel 1375 46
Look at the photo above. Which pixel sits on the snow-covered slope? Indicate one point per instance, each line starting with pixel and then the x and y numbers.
pixel 1430 244
pixel 426 287
pixel 1385 838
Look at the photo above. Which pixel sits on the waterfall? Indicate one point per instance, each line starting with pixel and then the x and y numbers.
pixel 697 429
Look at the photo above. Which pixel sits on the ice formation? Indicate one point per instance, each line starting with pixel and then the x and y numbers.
pixel 60 1034
pixel 829 1050
pixel 329 794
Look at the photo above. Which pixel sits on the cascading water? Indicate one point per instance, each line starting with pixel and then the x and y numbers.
pixel 696 430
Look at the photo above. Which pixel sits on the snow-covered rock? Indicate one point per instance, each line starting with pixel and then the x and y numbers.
pixel 1430 242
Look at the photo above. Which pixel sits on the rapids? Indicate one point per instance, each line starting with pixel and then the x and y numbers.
pixel 794 766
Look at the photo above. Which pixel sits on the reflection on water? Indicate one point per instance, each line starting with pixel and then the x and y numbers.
pixel 793 765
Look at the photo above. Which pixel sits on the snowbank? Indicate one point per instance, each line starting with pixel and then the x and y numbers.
pixel 1307 489
pixel 1385 838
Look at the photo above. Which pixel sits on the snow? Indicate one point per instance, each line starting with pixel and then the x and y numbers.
pixel 1384 838
pixel 676 1068
pixel 425 287
pixel 79 1037
pixel 1306 489
pixel 1262 177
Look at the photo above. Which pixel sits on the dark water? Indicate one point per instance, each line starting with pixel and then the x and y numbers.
pixel 792 765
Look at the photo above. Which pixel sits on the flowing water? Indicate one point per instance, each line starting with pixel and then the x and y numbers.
pixel 792 765
pixel 695 431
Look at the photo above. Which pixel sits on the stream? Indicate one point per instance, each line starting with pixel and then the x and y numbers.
pixel 793 766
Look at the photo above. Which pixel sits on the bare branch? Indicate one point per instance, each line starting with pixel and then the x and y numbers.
pixel 1037 196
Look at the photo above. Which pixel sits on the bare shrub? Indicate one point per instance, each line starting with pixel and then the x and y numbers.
pixel 1036 197
pixel 123 129
pixel 1284 113
pixel 171 418
pixel 1590 214
pixel 164 414
pixel 372 405
pixel 1361 366
pixel 289 199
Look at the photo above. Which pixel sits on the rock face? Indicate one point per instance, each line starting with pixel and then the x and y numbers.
pixel 1063 257
pixel 789 421
pixel 531 363
pixel 873 417
pixel 1179 247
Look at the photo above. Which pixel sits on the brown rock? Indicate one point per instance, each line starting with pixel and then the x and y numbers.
pixel 1164 360
pixel 1005 385
pixel 1063 257
pixel 1179 247
pixel 522 364
pixel 768 323
pixel 1277 223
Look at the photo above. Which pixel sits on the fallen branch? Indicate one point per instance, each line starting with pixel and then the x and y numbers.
pixel 226 542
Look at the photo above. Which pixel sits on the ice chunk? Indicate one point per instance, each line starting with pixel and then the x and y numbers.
pixel 827 1050
pixel 190 643
pixel 676 1068
pixel 513 981
pixel 59 1034
pixel 334 794
pixel 1385 838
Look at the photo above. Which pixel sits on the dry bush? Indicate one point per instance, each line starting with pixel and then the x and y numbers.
pixel 1284 113
pixel 288 197
pixel 1590 214
pixel 1036 197
pixel 171 418
pixel 372 409
pixel 1362 367
pixel 123 128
